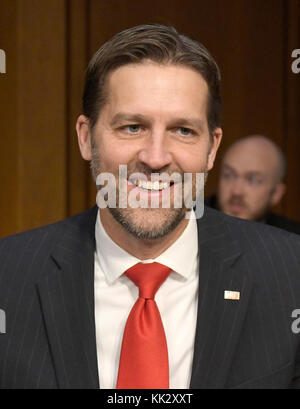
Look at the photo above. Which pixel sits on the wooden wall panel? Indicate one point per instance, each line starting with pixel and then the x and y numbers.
pixel 33 147
pixel 77 60
pixel 42 111
pixel 9 148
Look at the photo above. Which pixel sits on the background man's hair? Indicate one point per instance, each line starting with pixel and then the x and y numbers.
pixel 158 43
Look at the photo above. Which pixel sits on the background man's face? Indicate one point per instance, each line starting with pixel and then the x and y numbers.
pixel 154 121
pixel 249 184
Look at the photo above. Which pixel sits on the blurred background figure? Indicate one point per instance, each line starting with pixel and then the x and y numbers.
pixel 252 182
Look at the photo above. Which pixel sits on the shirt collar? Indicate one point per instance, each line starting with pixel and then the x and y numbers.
pixel 179 257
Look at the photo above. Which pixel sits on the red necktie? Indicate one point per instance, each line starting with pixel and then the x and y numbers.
pixel 144 360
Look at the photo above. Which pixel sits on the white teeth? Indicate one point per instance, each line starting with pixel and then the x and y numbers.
pixel 146 184
pixel 156 185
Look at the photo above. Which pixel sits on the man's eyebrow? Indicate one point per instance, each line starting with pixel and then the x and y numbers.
pixel 227 167
pixel 247 174
pixel 254 173
pixel 184 122
pixel 189 122
pixel 127 117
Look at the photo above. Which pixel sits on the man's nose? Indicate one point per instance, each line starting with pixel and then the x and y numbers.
pixel 238 187
pixel 155 153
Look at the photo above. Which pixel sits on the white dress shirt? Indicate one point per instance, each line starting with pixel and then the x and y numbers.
pixel 115 295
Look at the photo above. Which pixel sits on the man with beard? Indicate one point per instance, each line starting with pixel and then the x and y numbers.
pixel 252 182
pixel 150 297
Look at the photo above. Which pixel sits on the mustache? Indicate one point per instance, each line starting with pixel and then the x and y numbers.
pixel 236 200
pixel 147 171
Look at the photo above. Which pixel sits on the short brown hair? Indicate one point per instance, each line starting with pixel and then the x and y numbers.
pixel 158 43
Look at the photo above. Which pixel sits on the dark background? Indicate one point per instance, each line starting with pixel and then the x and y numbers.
pixel 48 44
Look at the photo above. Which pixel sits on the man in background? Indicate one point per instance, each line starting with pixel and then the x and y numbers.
pixel 252 182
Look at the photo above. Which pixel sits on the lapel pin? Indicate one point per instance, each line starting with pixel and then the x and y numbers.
pixel 231 295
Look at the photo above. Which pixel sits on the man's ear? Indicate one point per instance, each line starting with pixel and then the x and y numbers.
pixel 278 193
pixel 84 137
pixel 217 137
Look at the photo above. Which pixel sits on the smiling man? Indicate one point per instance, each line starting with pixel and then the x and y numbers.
pixel 139 297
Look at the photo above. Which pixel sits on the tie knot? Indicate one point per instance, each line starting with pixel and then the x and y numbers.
pixel 148 277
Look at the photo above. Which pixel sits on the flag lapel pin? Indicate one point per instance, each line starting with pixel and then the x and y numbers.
pixel 231 295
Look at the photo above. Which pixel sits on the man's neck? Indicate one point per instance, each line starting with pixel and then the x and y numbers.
pixel 139 248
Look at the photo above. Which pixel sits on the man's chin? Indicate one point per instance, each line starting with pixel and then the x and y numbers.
pixel 148 224
pixel 241 214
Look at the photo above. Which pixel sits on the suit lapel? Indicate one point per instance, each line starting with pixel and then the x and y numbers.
pixel 219 321
pixel 67 300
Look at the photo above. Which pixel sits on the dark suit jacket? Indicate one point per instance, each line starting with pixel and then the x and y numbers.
pixel 47 292
pixel 271 218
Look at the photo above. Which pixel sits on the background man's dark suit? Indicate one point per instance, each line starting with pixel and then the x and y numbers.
pixel 270 218
pixel 47 291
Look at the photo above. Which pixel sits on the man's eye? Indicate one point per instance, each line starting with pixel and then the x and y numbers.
pixel 185 131
pixel 227 175
pixel 254 180
pixel 133 129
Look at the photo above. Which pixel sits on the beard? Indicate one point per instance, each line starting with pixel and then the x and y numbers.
pixel 146 223
pixel 146 226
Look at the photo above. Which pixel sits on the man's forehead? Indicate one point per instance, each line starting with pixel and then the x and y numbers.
pixel 152 74
pixel 247 158
pixel 188 121
pixel 255 146
pixel 151 88
pixel 243 169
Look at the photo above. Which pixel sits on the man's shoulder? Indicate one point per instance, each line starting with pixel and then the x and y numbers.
pixel 27 257
pixel 256 235
pixel 283 223
pixel 266 255
pixel 46 235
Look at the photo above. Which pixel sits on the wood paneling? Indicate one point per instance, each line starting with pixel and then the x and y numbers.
pixel 48 44
pixel 33 142
pixel 9 147
pixel 41 111
pixel 77 60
